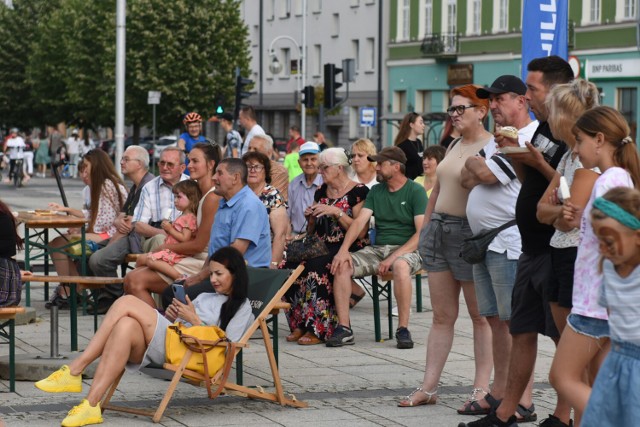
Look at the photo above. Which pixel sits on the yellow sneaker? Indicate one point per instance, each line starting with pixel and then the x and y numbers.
pixel 61 381
pixel 83 414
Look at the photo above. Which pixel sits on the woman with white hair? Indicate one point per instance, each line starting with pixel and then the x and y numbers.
pixel 313 316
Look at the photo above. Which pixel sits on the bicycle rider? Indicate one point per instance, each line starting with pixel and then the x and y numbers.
pixel 14 148
pixel 193 123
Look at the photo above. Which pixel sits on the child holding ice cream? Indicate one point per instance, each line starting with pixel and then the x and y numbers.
pixel 187 194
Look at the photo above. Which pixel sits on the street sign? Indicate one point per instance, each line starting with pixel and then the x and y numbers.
pixel 368 116
pixel 153 98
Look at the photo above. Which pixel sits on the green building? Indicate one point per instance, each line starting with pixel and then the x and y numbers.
pixel 435 45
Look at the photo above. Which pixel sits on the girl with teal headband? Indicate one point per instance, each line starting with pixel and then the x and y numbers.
pixel 602 141
pixel 616 222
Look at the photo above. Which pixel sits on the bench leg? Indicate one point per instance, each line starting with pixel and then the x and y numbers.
pixel 419 293
pixel 375 287
pixel 388 286
pixel 12 355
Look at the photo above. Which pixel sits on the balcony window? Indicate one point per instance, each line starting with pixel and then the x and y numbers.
pixel 403 20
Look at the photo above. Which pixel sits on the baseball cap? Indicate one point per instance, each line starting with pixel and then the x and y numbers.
pixel 503 84
pixel 309 148
pixel 389 153
pixel 227 116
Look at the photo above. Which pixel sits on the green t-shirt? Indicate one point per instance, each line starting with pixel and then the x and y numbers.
pixel 292 165
pixel 395 212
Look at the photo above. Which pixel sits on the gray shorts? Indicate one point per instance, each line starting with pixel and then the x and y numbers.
pixel 441 243
pixel 367 260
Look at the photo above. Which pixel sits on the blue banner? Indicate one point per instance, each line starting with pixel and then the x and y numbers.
pixel 544 30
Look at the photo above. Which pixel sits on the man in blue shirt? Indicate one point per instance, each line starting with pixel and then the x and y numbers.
pixel 241 221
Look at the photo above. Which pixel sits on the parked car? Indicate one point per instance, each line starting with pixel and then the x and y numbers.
pixel 164 142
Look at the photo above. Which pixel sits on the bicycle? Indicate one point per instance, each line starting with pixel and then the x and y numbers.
pixel 18 172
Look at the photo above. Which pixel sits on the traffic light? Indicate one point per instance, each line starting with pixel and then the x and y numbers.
pixel 309 93
pixel 241 92
pixel 331 86
pixel 219 107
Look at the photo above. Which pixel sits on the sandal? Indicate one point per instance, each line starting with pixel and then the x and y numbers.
pixel 295 335
pixel 526 415
pixel 408 401
pixel 355 299
pixel 309 339
pixel 472 405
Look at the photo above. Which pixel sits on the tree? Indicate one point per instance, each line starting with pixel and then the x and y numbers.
pixel 17 38
pixel 187 49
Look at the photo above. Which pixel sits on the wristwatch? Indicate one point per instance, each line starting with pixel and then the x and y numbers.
pixel 340 216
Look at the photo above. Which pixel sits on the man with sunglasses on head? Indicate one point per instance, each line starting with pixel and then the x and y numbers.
pixel 155 198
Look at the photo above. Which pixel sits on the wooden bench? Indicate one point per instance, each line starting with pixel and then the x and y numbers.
pixel 381 289
pixel 8 320
pixel 87 282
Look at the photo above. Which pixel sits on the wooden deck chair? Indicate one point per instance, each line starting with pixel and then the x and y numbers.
pixel 266 289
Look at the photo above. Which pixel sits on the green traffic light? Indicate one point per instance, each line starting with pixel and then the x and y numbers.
pixel 219 110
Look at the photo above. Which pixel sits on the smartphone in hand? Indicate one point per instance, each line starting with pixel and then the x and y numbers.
pixel 178 291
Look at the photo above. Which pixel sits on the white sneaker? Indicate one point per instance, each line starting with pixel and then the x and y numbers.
pixel 394 311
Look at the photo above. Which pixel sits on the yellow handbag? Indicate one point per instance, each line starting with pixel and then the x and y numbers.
pixel 208 356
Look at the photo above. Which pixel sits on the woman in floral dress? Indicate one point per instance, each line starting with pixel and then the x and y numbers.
pixel 313 317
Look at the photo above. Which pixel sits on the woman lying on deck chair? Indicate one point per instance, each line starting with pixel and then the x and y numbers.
pixel 132 334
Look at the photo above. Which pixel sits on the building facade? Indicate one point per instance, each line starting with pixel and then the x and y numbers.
pixel 435 45
pixel 335 30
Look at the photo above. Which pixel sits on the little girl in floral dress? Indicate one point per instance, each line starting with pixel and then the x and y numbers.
pixel 187 194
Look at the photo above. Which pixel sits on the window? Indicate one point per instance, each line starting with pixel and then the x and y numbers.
pixel 316 6
pixel 423 101
pixel 500 16
pixel 355 52
pixel 285 8
pixel 628 107
pixel 285 56
pixel 451 19
pixel 626 10
pixel 594 11
pixel 354 122
pixel 399 101
pixel 270 9
pixel 403 20
pixel 475 17
pixel 335 31
pixel 297 7
pixel 355 3
pixel 630 9
pixel 317 60
pixel 371 54
pixel 425 18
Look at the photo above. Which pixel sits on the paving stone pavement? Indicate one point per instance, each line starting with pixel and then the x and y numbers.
pixel 356 385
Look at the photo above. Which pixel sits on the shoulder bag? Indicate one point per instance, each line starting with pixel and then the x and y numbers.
pixel 474 249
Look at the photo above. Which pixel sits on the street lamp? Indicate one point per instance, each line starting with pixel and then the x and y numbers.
pixel 276 68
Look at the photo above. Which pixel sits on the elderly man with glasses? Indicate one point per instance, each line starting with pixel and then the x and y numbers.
pixel 149 199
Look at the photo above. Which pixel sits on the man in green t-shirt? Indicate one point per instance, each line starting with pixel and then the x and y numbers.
pixel 398 204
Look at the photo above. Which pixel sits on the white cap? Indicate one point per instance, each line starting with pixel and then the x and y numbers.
pixel 309 148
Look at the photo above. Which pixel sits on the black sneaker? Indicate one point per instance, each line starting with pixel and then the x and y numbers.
pixel 554 421
pixel 341 336
pixel 491 421
pixel 403 338
pixel 101 307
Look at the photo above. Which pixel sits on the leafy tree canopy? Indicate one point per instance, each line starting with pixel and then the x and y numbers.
pixel 65 69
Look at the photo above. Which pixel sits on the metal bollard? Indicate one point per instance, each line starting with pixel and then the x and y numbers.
pixel 54 331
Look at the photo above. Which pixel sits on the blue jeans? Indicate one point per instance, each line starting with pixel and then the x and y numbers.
pixel 494 279
pixel 588 326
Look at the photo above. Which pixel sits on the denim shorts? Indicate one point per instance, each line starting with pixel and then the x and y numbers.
pixel 588 326
pixel 494 280
pixel 614 398
pixel 440 246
